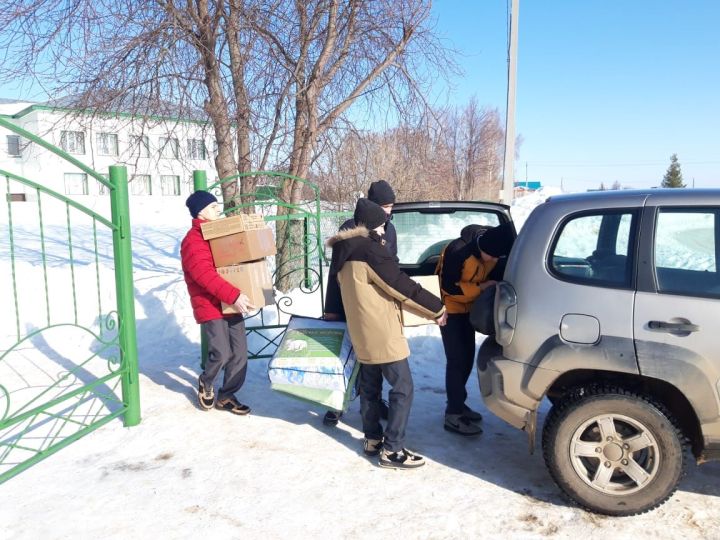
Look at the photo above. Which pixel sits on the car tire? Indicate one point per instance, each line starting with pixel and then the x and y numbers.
pixel 613 451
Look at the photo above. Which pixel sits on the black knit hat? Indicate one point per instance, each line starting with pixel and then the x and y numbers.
pixel 369 214
pixel 381 193
pixel 497 241
pixel 470 233
pixel 197 202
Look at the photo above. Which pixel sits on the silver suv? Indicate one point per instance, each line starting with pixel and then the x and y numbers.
pixel 610 308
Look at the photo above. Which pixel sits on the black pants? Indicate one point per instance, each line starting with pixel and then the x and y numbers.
pixel 458 337
pixel 401 398
pixel 227 349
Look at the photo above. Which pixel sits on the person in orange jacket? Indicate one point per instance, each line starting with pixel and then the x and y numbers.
pixel 465 268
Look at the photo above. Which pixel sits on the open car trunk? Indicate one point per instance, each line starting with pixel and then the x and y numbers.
pixel 425 228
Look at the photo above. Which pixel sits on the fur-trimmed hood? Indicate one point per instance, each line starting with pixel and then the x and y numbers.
pixel 344 234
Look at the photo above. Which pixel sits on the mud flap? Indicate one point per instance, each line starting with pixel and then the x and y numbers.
pixel 530 428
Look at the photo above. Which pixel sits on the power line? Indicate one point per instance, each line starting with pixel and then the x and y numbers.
pixel 587 164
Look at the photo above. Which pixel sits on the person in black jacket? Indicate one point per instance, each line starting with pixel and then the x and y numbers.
pixel 372 287
pixel 467 266
pixel 382 194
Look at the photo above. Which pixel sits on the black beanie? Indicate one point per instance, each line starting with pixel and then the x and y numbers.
pixel 497 241
pixel 470 233
pixel 197 201
pixel 369 214
pixel 381 193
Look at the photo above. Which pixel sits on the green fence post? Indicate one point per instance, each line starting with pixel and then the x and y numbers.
pixel 200 183
pixel 122 248
pixel 320 252
pixel 199 180
pixel 306 253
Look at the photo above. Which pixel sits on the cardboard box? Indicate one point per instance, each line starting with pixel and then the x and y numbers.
pixel 411 317
pixel 243 246
pixel 230 225
pixel 253 279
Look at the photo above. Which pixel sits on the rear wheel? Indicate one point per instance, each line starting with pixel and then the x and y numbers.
pixel 613 451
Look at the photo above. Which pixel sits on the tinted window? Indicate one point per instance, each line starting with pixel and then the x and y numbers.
pixel 686 252
pixel 595 248
pixel 422 236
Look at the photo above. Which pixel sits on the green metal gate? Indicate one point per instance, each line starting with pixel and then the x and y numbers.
pixel 68 349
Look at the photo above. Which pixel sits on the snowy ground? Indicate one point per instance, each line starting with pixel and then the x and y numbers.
pixel 279 473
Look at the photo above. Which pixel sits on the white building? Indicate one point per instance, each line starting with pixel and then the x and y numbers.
pixel 160 153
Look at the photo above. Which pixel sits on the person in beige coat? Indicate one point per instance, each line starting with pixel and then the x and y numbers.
pixel 372 288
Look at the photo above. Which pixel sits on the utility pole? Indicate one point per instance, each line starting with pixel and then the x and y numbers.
pixel 508 162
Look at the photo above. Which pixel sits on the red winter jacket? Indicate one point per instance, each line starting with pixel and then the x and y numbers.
pixel 206 287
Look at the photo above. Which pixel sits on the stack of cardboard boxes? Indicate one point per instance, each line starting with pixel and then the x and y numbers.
pixel 239 245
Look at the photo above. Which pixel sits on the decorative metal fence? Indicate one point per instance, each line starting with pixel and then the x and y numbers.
pixel 302 229
pixel 68 350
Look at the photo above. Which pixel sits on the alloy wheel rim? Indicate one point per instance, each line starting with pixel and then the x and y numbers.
pixel 614 454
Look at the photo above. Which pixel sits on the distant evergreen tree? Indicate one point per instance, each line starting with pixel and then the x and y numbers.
pixel 673 177
pixel 616 185
pixel 602 187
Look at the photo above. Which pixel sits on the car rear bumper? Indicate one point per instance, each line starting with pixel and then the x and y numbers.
pixel 511 390
pixel 500 373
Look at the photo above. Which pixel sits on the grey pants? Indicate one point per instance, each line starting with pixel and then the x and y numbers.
pixel 227 349
pixel 401 398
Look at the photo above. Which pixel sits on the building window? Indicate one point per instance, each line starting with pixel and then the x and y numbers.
pixel 13 145
pixel 107 144
pixel 73 142
pixel 140 184
pixel 168 147
pixel 170 184
pixel 76 184
pixel 140 146
pixel 196 149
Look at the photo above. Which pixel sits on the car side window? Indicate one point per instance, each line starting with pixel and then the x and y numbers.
pixel 595 249
pixel 685 252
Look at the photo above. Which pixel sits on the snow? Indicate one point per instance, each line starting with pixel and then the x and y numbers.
pixel 279 473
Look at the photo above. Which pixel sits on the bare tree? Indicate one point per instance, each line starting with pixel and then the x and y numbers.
pixel 450 154
pixel 272 76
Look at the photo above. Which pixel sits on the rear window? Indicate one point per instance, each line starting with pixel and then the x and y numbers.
pixel 421 236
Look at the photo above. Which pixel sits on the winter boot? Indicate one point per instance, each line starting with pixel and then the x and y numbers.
pixel 372 447
pixel 404 459
pixel 471 415
pixel 232 405
pixel 206 396
pixel 458 423
pixel 331 418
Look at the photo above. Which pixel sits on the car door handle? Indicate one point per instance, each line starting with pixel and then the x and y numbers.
pixel 664 326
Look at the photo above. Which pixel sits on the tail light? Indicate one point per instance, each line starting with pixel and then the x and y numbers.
pixel 505 313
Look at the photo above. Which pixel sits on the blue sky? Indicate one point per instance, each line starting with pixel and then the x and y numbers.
pixel 606 90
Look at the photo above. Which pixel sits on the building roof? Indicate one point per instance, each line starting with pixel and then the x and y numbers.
pixel 9 107
pixel 531 184
pixel 125 106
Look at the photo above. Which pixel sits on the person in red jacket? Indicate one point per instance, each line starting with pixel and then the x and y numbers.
pixel 227 343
